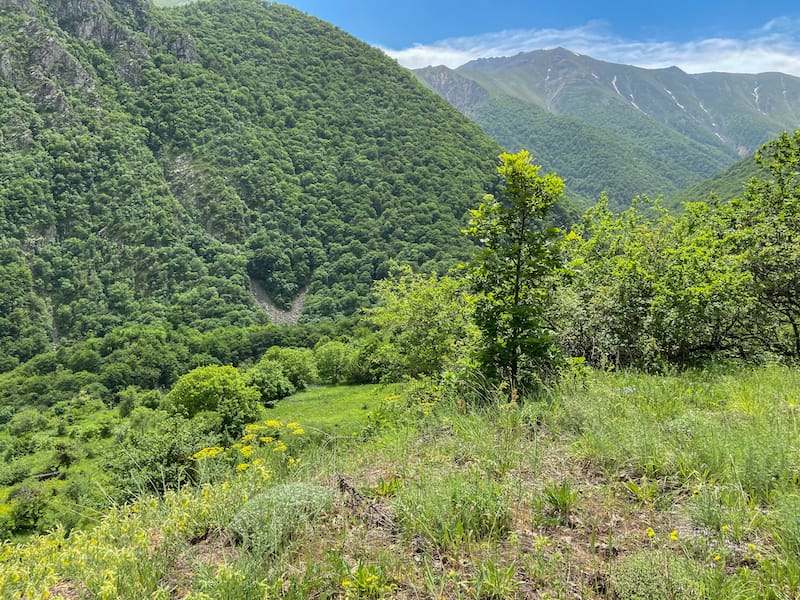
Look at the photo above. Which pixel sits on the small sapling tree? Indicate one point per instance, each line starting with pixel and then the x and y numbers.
pixel 512 273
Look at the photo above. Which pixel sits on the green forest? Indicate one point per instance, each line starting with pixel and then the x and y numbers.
pixel 487 390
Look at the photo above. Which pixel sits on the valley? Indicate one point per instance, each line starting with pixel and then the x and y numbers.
pixel 280 318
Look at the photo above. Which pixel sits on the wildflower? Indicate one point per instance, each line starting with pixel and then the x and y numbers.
pixel 246 451
pixel 279 447
pixel 207 453
pixel 673 535
pixel 346 583
pixel 241 467
pixel 267 439
pixel 717 558
pixel 273 423
pixel 298 431
pixel 292 425
pixel 650 533
pixel 724 528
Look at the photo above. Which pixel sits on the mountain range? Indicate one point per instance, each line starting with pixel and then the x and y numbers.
pixel 620 129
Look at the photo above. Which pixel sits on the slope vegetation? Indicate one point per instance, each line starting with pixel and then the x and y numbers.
pixel 155 162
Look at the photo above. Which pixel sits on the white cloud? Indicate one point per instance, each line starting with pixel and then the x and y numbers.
pixel 773 47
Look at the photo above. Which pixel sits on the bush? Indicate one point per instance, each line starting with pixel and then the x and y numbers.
pixel 269 521
pixel 334 362
pixel 219 389
pixel 268 378
pixel 25 421
pixel 296 363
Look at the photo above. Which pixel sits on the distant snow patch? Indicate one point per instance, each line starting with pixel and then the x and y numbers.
pixel 636 106
pixel 675 100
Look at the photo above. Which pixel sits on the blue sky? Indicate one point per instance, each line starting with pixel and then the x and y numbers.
pixel 698 36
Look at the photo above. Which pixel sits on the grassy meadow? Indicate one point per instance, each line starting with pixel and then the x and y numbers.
pixel 615 486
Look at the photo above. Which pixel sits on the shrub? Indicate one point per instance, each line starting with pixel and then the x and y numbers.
pixel 268 378
pixel 25 421
pixel 334 362
pixel 269 521
pixel 220 389
pixel 297 364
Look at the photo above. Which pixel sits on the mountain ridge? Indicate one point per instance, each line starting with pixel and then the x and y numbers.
pixel 692 125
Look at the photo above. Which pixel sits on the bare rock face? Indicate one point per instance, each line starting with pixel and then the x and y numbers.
pixel 180 45
pixel 21 5
pixel 459 91
pixel 48 73
pixel 45 70
pixel 100 22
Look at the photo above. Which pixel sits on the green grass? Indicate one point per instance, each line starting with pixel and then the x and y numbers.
pixel 664 487
pixel 338 409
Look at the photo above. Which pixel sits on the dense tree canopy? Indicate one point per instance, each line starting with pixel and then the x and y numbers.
pixel 174 159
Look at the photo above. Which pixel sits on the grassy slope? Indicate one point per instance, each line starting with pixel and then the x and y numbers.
pixel 337 409
pixel 726 185
pixel 624 486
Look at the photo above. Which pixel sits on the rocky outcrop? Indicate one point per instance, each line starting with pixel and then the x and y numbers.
pixel 44 72
pixel 462 93
pixel 21 5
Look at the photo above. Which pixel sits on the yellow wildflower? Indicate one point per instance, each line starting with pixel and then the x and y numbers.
pixel 273 423
pixel 241 467
pixel 298 431
pixel 673 535
pixel 207 453
pixel 650 533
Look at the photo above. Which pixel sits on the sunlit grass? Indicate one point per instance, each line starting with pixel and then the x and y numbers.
pixel 619 486
pixel 338 409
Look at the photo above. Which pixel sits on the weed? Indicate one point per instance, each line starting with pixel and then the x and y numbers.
pixel 387 486
pixel 367 581
pixel 492 581
pixel 654 575
pixel 562 499
pixel 644 492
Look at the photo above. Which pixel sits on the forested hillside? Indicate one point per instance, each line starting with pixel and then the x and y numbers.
pixel 617 128
pixel 158 165
pixel 726 185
